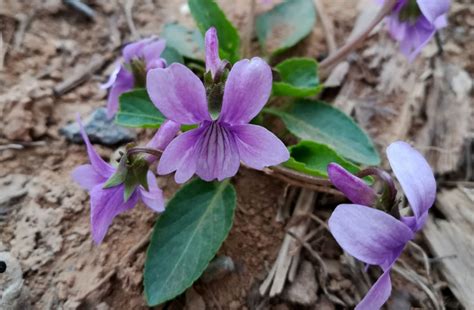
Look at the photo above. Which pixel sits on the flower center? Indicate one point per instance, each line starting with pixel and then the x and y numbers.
pixel 215 94
pixel 409 12
pixel 137 67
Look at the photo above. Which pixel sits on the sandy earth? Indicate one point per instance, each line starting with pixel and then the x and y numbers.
pixel 44 216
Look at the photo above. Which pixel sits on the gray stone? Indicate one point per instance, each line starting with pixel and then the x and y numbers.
pixel 303 290
pixel 100 130
pixel 15 295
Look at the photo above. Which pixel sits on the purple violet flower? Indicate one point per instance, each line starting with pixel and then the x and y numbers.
pixel 107 203
pixel 214 149
pixel 414 22
pixel 374 236
pixel 138 57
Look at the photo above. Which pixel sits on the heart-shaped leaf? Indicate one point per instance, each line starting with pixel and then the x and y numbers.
pixel 298 78
pixel 285 25
pixel 323 123
pixel 188 42
pixel 313 158
pixel 207 14
pixel 137 110
pixel 186 237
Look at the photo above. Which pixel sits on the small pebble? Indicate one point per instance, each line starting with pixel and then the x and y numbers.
pixel 100 129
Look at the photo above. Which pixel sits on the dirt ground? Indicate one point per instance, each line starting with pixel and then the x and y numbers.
pixel 44 216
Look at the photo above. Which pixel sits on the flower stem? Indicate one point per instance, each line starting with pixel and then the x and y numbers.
pixel 341 53
pixel 146 150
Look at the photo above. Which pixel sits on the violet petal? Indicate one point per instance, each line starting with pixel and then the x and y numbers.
pixel 164 135
pixel 435 11
pixel 135 49
pixel 213 61
pixel 179 156
pixel 217 155
pixel 368 234
pixel 106 204
pixel 178 93
pixel 246 91
pixel 258 147
pixel 415 176
pixel 154 197
pixel 378 293
pixel 87 177
pixel 112 77
pixel 123 82
pixel 354 188
pixel 100 166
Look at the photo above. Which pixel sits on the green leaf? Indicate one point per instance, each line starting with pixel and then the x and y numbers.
pixel 186 237
pixel 313 158
pixel 207 14
pixel 137 110
pixel 299 78
pixel 171 55
pixel 188 42
pixel 320 122
pixel 120 174
pixel 285 25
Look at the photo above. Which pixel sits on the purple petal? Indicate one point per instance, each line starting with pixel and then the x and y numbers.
pixel 179 156
pixel 354 188
pixel 435 11
pixel 112 77
pixel 246 91
pixel 106 204
pixel 154 197
pixel 87 177
pixel 178 93
pixel 258 147
pixel 123 82
pixel 164 135
pixel 152 53
pixel 415 177
pixel 412 37
pixel 213 61
pixel 162 138
pixel 368 234
pixel 416 38
pixel 135 49
pixel 216 152
pixel 378 293
pixel 100 166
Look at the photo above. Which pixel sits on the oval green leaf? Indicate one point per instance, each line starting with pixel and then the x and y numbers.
pixel 188 42
pixel 299 78
pixel 313 158
pixel 137 110
pixel 285 25
pixel 186 237
pixel 171 55
pixel 320 122
pixel 208 14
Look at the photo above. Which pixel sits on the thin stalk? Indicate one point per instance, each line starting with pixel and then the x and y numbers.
pixel 341 53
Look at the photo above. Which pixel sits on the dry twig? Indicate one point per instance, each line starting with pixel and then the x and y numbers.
pixel 327 25
pixel 128 7
pixel 323 275
pixel 82 73
pixel 341 53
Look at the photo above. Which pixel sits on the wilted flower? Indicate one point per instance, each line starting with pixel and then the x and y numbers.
pixel 107 203
pixel 138 58
pixel 414 22
pixel 374 236
pixel 214 149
